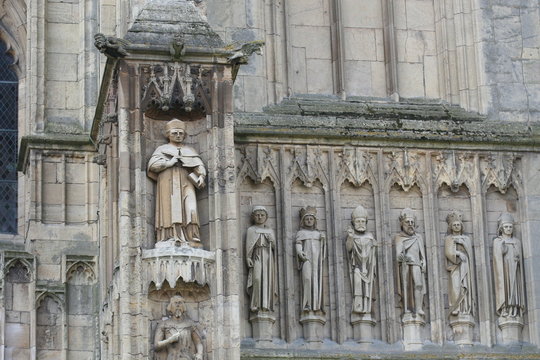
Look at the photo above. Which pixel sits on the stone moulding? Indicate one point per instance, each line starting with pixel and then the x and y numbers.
pixel 170 264
pixel 380 122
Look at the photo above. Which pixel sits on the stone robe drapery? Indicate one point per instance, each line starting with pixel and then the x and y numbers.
pixel 261 282
pixel 184 348
pixel 176 203
pixel 313 244
pixel 412 247
pixel 508 275
pixel 460 289
pixel 362 262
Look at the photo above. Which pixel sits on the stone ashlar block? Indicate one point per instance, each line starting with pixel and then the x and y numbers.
pixel 315 39
pixel 371 13
pixel 17 335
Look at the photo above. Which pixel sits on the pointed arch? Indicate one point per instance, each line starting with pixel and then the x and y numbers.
pixel 80 273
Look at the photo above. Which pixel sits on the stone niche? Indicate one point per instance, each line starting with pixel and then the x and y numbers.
pixel 480 186
pixel 198 306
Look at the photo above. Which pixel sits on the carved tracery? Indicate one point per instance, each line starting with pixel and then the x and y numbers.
pixel 175 87
pixel 18 271
pixel 454 169
pixel 307 165
pixel 356 166
pixel 404 168
pixel 500 170
pixel 80 273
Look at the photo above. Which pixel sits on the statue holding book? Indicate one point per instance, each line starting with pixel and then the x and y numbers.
pixel 178 171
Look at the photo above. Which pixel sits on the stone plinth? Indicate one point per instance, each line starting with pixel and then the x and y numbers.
pixel 262 323
pixel 462 327
pixel 412 331
pixel 313 325
pixel 510 328
pixel 363 325
pixel 170 263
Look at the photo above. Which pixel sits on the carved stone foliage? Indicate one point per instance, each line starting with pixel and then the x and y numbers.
pixel 454 169
pixel 308 165
pixel 500 170
pixel 258 163
pixel 175 88
pixel 404 168
pixel 356 165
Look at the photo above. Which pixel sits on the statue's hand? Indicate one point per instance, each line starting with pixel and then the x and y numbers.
pixel 172 162
pixel 198 357
pixel 249 263
pixel 174 338
pixel 350 231
pixel 302 256
pixel 200 182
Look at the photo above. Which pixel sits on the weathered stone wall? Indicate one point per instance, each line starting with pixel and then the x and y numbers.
pixel 482 55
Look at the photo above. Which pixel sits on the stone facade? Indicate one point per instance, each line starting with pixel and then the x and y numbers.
pixel 354 109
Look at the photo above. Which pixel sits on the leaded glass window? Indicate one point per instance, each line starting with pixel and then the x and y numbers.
pixel 8 143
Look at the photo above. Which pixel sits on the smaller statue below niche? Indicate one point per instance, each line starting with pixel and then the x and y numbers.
pixel 310 247
pixel 411 258
pixel 508 270
pixel 459 255
pixel 178 171
pixel 178 335
pixel 362 249
pixel 261 262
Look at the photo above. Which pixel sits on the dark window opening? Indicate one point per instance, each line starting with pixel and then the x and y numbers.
pixel 8 143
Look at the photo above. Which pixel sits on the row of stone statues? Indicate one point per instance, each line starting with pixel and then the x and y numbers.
pixel 179 172
pixel 361 245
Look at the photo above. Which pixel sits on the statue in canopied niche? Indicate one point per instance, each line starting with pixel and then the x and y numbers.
pixel 508 270
pixel 362 250
pixel 459 255
pixel 411 258
pixel 261 262
pixel 178 335
pixel 178 171
pixel 310 245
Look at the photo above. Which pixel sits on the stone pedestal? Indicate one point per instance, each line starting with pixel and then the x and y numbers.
pixel 362 327
pixel 313 325
pixel 412 331
pixel 462 327
pixel 170 263
pixel 262 323
pixel 510 328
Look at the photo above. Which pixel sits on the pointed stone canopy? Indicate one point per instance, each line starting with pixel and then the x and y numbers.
pixel 161 20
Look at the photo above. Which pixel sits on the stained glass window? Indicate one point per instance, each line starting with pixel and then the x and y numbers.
pixel 8 143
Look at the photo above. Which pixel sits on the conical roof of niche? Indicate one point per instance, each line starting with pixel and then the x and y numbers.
pixel 161 20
